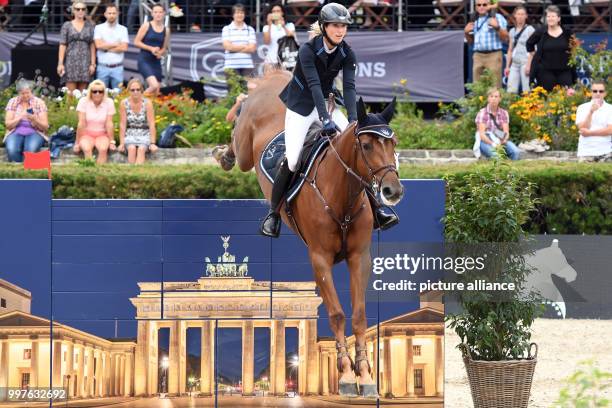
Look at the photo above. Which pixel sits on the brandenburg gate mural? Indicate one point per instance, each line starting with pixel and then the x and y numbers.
pixel 169 267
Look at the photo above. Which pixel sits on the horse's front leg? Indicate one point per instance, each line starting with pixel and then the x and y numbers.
pixel 359 263
pixel 322 263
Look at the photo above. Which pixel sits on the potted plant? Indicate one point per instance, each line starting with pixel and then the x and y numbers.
pixel 485 214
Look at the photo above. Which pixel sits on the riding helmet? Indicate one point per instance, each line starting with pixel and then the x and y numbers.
pixel 334 13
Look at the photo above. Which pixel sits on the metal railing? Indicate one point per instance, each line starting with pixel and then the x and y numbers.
pixel 401 15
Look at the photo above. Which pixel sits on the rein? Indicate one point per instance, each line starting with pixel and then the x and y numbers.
pixel 370 184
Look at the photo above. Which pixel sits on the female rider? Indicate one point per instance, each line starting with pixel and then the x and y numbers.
pixel 319 62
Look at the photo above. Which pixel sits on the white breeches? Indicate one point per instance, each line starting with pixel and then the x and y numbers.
pixel 296 129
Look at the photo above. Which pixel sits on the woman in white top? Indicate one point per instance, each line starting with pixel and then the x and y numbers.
pixel 517 56
pixel 275 29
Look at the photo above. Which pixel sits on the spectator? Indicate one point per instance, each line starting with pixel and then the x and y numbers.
pixel 111 39
pixel 550 61
pixel 77 52
pixel 95 128
pixel 239 43
pixel 152 39
pixel 594 119
pixel 493 129
pixel 276 28
pixel 137 131
pixel 132 15
pixel 487 33
pixel 26 123
pixel 517 56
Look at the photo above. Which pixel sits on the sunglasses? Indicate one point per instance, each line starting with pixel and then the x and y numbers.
pixel 80 8
pixel 97 91
pixel 482 5
pixel 135 90
pixel 599 91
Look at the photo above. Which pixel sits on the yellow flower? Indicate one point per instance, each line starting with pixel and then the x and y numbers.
pixel 574 127
pixel 573 116
pixel 481 98
pixel 553 104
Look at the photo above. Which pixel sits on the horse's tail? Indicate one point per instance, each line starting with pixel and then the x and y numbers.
pixel 224 155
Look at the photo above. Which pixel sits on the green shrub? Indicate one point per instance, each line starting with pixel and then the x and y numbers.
pixel 573 198
pixel 586 388
pixel 489 207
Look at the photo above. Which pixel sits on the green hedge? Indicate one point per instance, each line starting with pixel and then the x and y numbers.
pixel 573 198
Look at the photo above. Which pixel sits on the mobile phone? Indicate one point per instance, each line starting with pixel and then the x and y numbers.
pixel 30 111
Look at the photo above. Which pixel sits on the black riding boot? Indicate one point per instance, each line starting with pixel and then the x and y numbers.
pixel 270 226
pixel 382 220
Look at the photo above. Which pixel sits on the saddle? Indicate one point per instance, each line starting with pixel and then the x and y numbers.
pixel 274 153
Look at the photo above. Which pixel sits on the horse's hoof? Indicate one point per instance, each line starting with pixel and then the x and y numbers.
pixel 218 152
pixel 368 390
pixel 348 389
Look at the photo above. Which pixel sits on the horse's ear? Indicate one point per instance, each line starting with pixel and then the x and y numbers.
pixel 361 111
pixel 389 111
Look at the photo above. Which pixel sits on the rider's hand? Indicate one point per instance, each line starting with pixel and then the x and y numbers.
pixel 329 128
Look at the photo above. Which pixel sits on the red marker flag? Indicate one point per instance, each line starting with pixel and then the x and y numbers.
pixel 37 161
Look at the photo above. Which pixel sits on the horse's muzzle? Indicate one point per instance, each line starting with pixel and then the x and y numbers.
pixel 392 194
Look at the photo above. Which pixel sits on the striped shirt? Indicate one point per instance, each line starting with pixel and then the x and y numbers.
pixel 244 35
pixel 487 38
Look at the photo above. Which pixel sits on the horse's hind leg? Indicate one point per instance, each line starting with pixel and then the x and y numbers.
pixel 359 264
pixel 322 264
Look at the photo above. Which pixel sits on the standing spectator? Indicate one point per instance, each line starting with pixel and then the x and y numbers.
pixel 517 56
pixel 275 29
pixel 95 128
pixel 493 129
pixel 487 34
pixel 26 123
pixel 152 39
pixel 239 43
pixel 551 60
pixel 132 15
pixel 137 131
pixel 111 39
pixel 77 52
pixel 594 119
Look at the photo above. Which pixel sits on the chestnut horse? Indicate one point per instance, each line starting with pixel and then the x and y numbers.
pixel 331 212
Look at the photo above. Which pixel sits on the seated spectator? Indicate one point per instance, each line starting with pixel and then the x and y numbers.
pixel 26 123
pixel 594 119
pixel 239 43
pixel 276 28
pixel 95 128
pixel 137 131
pixel 493 129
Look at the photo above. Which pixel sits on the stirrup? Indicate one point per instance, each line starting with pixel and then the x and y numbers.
pixel 342 354
pixel 272 231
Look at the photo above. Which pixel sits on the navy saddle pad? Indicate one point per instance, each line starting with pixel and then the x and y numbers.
pixel 274 152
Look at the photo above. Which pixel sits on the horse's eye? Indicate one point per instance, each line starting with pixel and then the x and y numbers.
pixel 367 146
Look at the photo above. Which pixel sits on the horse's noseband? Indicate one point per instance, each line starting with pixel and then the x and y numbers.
pixel 381 131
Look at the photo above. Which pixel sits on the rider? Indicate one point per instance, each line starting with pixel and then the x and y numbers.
pixel 319 62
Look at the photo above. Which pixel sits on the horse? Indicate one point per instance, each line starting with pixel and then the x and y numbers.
pixel 331 213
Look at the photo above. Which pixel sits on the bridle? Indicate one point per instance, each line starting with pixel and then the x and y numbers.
pixel 372 182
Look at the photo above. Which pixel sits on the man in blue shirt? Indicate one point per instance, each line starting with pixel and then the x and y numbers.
pixel 486 33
